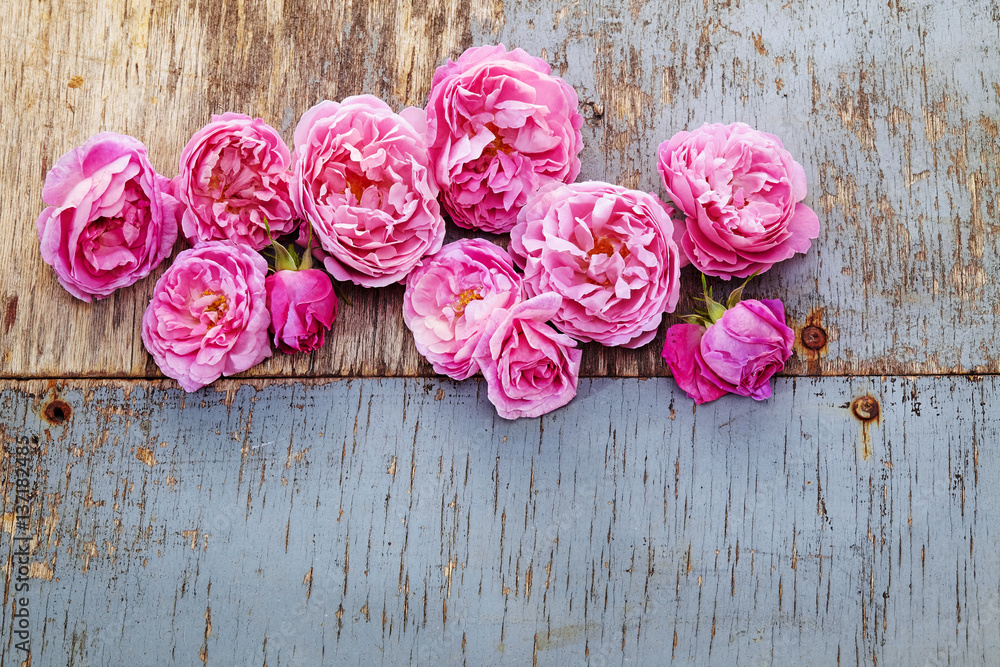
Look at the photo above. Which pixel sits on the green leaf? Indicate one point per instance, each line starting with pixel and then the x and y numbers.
pixel 715 309
pixel 307 256
pixel 697 320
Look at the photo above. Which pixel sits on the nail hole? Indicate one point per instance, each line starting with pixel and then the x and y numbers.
pixel 58 412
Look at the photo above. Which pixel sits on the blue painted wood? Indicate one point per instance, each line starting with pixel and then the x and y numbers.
pixel 392 521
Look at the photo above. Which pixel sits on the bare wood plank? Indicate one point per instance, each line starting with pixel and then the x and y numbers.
pixel 891 108
pixel 399 521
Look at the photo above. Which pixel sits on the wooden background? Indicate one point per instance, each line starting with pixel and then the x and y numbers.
pixel 289 517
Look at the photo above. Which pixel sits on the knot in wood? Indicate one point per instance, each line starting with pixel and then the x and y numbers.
pixel 865 408
pixel 813 337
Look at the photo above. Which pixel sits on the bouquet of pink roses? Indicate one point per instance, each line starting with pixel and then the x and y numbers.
pixel 497 150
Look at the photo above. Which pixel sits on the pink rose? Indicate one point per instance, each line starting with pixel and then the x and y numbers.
pixel 530 368
pixel 499 126
pixel 208 315
pixel 361 178
pixel 303 306
pixel 234 176
pixel 608 252
pixel 739 191
pixel 737 354
pixel 110 218
pixel 449 299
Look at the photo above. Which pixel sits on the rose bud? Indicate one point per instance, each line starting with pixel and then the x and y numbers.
pixel 208 315
pixel 301 301
pixel 499 126
pixel 739 192
pixel 449 299
pixel 730 350
pixel 110 220
pixel 530 368
pixel 234 176
pixel 608 251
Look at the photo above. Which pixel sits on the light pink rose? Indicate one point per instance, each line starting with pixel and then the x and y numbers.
pixel 110 218
pixel 737 354
pixel 449 299
pixel 530 368
pixel 739 191
pixel 303 306
pixel 361 179
pixel 234 176
pixel 499 126
pixel 608 252
pixel 208 316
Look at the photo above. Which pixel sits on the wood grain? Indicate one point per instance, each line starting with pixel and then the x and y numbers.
pixel 892 108
pixel 398 521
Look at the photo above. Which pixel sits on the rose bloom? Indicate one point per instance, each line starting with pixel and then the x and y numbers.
pixel 499 125
pixel 208 316
pixel 361 179
pixel 449 299
pixel 739 191
pixel 303 306
pixel 110 220
pixel 608 252
pixel 530 368
pixel 234 176
pixel 738 354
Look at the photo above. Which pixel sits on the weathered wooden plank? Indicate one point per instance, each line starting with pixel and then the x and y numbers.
pixel 399 521
pixel 890 106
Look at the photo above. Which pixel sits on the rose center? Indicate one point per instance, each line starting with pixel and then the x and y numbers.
pixel 497 145
pixel 604 246
pixel 220 305
pixel 357 183
pixel 464 299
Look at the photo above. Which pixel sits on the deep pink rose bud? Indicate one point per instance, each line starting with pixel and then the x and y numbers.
pixel 499 126
pixel 449 299
pixel 234 177
pixel 110 220
pixel 361 178
pixel 530 368
pixel 208 315
pixel 608 251
pixel 303 306
pixel 738 353
pixel 740 192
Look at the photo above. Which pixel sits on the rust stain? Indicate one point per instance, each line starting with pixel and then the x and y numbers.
pixel 10 315
pixel 867 410
pixel 146 456
pixel 812 340
pixel 57 412
pixel 813 337
pixel 758 43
